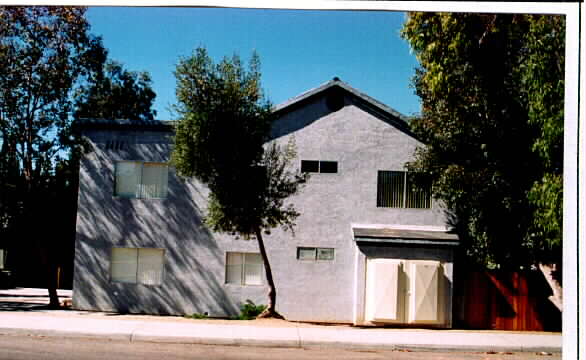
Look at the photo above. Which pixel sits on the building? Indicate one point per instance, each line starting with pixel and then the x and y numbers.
pixel 366 250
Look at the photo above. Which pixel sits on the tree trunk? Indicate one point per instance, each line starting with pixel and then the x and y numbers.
pixel 270 311
pixel 52 287
pixel 549 272
pixel 47 259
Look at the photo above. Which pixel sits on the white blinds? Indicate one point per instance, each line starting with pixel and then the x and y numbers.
pixel 150 266
pixel 253 269
pixel 123 265
pixel 154 180
pixel 137 265
pixel 233 268
pixel 127 178
pixel 244 268
pixel 141 180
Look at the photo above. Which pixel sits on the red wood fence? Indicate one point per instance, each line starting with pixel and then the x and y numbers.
pixel 504 301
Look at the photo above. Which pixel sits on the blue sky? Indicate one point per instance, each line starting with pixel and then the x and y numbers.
pixel 298 49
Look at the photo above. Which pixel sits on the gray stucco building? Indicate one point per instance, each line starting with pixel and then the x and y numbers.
pixel 367 249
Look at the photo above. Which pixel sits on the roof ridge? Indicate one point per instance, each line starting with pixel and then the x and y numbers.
pixel 336 81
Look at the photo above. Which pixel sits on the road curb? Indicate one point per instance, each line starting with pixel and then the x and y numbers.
pixel 283 343
pixel 67 334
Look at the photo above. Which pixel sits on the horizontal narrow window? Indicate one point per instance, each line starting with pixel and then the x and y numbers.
pixel 309 166
pixel 312 253
pixel 328 167
pixel 315 166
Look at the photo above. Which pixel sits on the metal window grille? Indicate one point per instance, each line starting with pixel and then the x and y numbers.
pixel 390 189
pixel 397 189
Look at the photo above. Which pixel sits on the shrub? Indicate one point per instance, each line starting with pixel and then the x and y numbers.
pixel 249 311
pixel 196 316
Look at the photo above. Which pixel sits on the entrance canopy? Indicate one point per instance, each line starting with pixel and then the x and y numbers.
pixel 400 234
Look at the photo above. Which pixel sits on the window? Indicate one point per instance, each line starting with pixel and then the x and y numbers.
pixel 397 189
pixel 315 166
pixel 311 253
pixel 244 268
pixel 2 258
pixel 137 265
pixel 136 179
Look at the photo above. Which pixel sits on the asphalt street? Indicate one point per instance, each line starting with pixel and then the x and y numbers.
pixel 46 348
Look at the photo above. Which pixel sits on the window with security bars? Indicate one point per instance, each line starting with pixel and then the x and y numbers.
pixel 136 179
pixel 244 268
pixel 397 189
pixel 137 265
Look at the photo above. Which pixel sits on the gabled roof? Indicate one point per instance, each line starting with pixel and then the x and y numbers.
pixel 381 109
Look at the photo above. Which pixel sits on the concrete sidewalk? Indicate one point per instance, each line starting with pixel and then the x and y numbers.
pixel 273 333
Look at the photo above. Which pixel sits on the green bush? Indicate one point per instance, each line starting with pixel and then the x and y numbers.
pixel 197 316
pixel 249 311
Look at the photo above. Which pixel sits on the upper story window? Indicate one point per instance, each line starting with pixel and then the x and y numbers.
pixel 137 179
pixel 395 189
pixel 315 166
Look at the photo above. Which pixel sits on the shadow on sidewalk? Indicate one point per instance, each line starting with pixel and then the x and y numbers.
pixel 23 299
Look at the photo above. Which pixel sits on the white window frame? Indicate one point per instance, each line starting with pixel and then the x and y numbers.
pixel 140 191
pixel 316 253
pixel 138 276
pixel 242 268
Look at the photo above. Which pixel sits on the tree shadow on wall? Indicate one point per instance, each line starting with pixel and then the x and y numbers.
pixel 192 281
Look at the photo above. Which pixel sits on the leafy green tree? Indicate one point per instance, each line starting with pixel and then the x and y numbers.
pixel 491 88
pixel 116 93
pixel 224 123
pixel 44 53
pixel 542 77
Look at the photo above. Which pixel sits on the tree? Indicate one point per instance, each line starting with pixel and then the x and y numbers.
pixel 44 52
pixel 224 123
pixel 116 93
pixel 491 88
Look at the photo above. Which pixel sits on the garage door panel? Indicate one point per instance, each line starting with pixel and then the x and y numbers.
pixel 424 300
pixel 383 293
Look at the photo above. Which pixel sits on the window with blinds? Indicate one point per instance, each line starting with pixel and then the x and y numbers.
pixel 136 179
pixel 397 189
pixel 137 265
pixel 244 268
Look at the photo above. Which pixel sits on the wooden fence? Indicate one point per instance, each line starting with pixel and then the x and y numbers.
pixel 504 301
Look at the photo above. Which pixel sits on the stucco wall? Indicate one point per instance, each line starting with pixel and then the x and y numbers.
pixel 194 257
pixel 323 290
pixel 362 144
